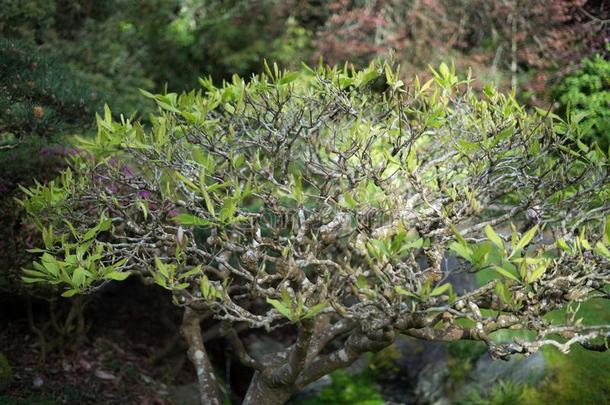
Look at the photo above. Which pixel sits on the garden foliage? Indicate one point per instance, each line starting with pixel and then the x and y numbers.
pixel 322 203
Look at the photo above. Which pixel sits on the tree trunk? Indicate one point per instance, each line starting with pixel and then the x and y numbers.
pixel 259 392
pixel 191 329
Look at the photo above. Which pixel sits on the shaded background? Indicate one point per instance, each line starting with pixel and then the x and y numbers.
pixel 62 60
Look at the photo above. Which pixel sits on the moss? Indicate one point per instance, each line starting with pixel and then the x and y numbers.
pixel 384 362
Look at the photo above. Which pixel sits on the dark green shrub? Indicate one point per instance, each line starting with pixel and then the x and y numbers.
pixel 39 95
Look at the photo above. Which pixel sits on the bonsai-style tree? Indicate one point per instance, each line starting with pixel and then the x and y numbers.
pixel 323 204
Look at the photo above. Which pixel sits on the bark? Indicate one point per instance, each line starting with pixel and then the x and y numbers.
pixel 208 388
pixel 260 392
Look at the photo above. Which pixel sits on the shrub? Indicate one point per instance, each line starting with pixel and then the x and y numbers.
pixel 38 95
pixel 587 93
pixel 318 206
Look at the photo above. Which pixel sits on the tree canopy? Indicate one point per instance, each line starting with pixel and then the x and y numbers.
pixel 324 203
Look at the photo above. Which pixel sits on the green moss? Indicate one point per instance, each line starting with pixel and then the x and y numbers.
pixel 384 362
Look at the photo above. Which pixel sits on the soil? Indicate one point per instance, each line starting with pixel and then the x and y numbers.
pixel 129 324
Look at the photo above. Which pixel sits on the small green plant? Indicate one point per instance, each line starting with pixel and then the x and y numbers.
pixel 502 393
pixel 462 357
pixel 346 389
pixel 586 94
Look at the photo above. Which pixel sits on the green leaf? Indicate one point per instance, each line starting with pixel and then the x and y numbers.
pixel 188 182
pixel 32 280
pixel 444 70
pixel 195 270
pixel 69 293
pixel 147 94
pixel 537 272
pixel 159 280
pixel 78 277
pixel 602 250
pixel 563 245
pixel 191 220
pixel 441 289
pixel 381 246
pixel 115 275
pixel 463 251
pixel 506 273
pixel 503 292
pixel 71 227
pixel 50 264
pixel 494 237
pixel 162 267
pixel 315 310
pixel 289 78
pixel 35 274
pixel 204 286
pixel 458 235
pixel 368 76
pixel 404 292
pixel 281 308
pixel 524 241
pixel 168 107
pixel 361 282
pixel 208 201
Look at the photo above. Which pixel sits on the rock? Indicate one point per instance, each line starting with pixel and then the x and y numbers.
pixel 38 382
pixel 430 384
pixel 417 354
pixel 422 367
pixel 519 370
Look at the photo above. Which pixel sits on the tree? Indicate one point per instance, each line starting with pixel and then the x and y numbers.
pixel 316 207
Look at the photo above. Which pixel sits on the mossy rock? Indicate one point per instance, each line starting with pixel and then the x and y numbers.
pixel 5 372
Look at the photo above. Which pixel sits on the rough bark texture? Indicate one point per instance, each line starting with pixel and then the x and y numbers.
pixel 260 392
pixel 208 389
